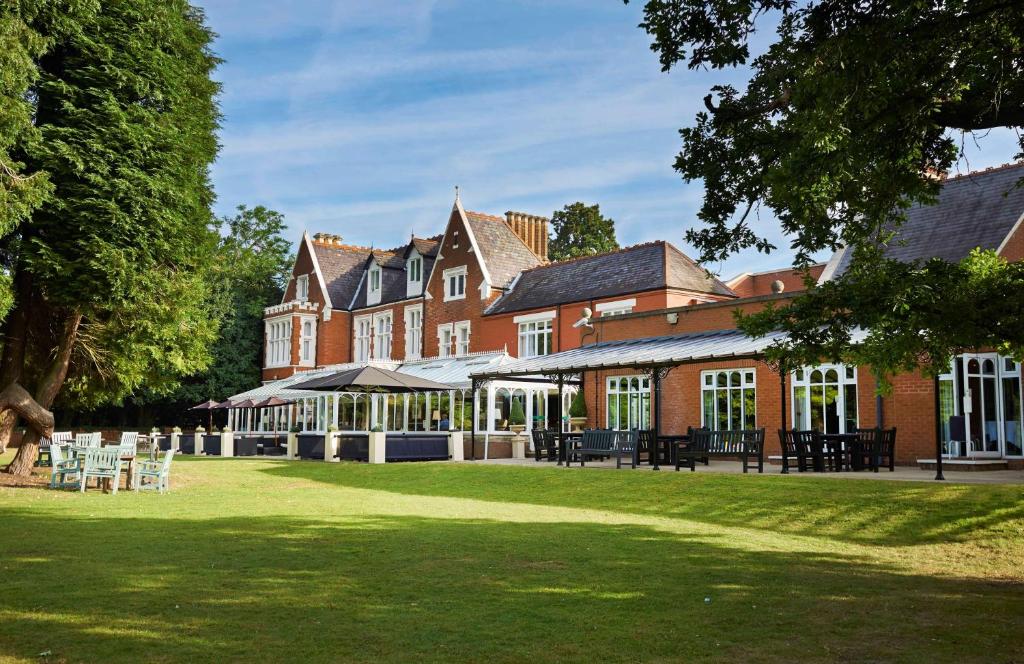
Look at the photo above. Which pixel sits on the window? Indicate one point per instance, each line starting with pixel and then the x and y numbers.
pixel 462 338
pixel 629 402
pixel 302 287
pixel 307 342
pixel 728 399
pixel 413 332
pixel 455 283
pixel 279 342
pixel 414 275
pixel 364 330
pixel 445 335
pixel 535 338
pixel 373 292
pixel 616 308
pixel 825 398
pixel 382 336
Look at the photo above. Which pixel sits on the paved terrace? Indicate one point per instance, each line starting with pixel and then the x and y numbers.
pixel 902 473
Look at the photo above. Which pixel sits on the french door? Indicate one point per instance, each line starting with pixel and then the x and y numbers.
pixel 989 388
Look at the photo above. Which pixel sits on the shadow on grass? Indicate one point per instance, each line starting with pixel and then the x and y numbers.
pixel 869 512
pixel 404 588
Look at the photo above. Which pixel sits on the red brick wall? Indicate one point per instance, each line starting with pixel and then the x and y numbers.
pixel 1014 249
pixel 436 311
pixel 751 285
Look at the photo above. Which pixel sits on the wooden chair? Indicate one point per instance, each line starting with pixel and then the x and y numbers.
pixel 43 455
pixel 156 472
pixel 88 439
pixel 102 463
pixel 61 469
pixel 807 449
pixel 130 438
pixel 886 449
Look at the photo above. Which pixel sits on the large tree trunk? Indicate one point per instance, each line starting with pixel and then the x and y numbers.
pixel 13 358
pixel 47 390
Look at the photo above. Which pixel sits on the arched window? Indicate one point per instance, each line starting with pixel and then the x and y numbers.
pixel 728 399
pixel 825 398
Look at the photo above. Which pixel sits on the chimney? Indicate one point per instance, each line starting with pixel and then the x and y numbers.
pixel 327 240
pixel 531 229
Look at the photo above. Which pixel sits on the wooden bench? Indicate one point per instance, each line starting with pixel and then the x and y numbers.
pixel 746 444
pixel 606 443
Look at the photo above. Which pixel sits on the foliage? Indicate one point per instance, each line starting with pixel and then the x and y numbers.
pixel 516 415
pixel 847 115
pixel 249 273
pixel 580 230
pixel 461 546
pixel 578 407
pixel 126 114
pixel 905 310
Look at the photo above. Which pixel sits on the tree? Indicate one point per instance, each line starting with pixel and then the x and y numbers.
pixel 581 230
pixel 848 114
pixel 251 271
pixel 110 271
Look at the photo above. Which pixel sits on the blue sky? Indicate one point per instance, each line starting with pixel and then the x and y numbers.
pixel 360 117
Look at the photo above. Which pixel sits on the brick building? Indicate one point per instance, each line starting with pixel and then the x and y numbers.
pixel 481 295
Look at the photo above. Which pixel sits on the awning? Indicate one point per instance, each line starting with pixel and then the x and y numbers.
pixel 372 379
pixel 643 353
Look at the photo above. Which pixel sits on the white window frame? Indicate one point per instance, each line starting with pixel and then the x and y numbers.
pixel 413 332
pixel 455 273
pixel 616 308
pixel 362 328
pixel 383 334
pixel 801 378
pixel 302 287
pixel 709 383
pixel 637 416
pixel 414 275
pixel 536 334
pixel 374 280
pixel 307 342
pixel 461 333
pixel 278 341
pixel 445 339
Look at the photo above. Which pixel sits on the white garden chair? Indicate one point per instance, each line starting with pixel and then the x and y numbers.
pixel 62 468
pixel 103 463
pixel 156 472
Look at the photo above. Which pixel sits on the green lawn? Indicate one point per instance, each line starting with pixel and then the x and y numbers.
pixel 251 560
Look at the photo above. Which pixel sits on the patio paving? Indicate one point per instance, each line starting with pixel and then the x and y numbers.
pixel 902 473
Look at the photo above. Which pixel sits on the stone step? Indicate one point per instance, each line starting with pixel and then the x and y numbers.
pixel 965 464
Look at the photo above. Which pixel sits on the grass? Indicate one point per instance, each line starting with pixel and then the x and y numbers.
pixel 253 560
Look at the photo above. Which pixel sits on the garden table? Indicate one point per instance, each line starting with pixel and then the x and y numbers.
pixel 845 450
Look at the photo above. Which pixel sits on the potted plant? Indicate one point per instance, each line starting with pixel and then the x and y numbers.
pixel 578 411
pixel 516 418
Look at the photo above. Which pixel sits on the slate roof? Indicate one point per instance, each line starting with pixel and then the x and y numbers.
pixel 427 246
pixel 973 210
pixel 503 252
pixel 342 268
pixel 631 270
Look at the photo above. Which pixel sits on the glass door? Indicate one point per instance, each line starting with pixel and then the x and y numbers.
pixel 981 405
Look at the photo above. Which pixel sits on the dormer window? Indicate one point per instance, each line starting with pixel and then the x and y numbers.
pixel 414 275
pixel 373 291
pixel 302 287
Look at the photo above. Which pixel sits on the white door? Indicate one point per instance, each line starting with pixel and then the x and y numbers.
pixel 981 397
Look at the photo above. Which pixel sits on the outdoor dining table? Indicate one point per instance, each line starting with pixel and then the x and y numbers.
pixel 845 450
pixel 665 449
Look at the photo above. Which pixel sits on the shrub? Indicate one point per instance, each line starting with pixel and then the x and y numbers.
pixel 578 407
pixel 516 416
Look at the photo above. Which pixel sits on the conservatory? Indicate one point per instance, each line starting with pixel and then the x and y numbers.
pixel 312 412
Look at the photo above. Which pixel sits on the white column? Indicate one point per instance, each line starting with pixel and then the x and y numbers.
pixel 455 449
pixel 377 445
pixel 227 442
